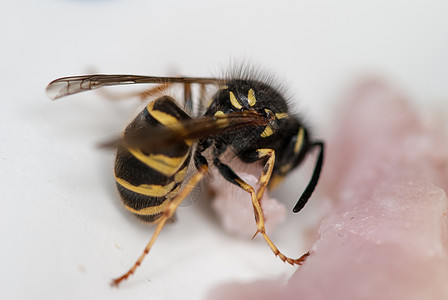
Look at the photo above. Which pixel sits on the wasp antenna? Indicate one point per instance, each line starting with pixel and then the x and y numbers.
pixel 313 182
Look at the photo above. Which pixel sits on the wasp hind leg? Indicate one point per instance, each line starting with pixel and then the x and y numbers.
pixel 168 212
pixel 154 91
pixel 232 177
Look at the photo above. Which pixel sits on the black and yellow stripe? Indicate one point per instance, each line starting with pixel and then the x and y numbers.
pixel 147 182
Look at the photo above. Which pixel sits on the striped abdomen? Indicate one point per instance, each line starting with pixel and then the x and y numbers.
pixel 148 181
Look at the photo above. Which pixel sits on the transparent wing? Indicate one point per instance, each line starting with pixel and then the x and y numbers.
pixel 75 84
pixel 194 129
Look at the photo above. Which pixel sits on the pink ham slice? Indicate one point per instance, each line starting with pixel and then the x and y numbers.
pixel 386 235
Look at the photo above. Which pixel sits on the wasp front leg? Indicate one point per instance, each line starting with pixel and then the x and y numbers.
pixel 267 170
pixel 232 177
pixel 264 181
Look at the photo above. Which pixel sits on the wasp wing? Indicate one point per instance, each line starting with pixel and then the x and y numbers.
pixel 189 130
pixel 75 84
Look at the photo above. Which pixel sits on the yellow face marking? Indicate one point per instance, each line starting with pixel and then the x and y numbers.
pixel 221 119
pixel 224 87
pixel 234 101
pixel 148 211
pixel 268 131
pixel 180 175
pixel 251 97
pixel 281 115
pixel 166 165
pixel 299 141
pixel 147 189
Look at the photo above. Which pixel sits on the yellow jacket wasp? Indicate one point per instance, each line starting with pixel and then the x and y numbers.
pixel 247 116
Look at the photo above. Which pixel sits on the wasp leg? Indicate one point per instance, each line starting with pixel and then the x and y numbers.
pixel 188 100
pixel 113 96
pixel 154 91
pixel 202 93
pixel 232 177
pixel 202 166
pixel 264 180
pixel 267 170
pixel 202 104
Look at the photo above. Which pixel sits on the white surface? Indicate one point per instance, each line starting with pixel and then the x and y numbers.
pixel 63 233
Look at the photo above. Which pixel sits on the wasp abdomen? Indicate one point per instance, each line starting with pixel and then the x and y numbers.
pixel 147 181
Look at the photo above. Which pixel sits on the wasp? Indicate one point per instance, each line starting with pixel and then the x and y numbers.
pixel 246 116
